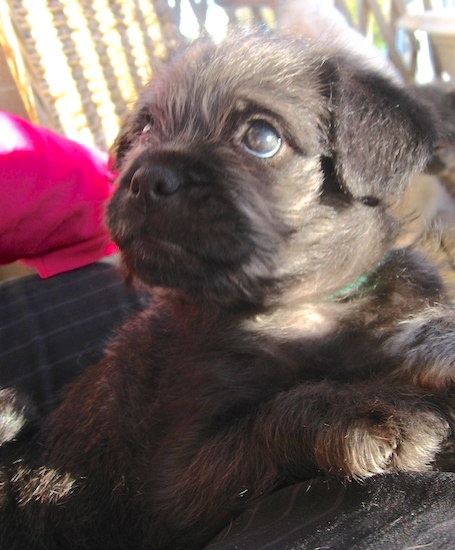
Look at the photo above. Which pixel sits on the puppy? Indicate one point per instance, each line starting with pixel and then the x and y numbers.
pixel 288 336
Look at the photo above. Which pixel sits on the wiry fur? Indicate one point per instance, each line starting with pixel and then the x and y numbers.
pixel 265 358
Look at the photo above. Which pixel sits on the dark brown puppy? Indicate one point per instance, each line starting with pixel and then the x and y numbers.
pixel 288 337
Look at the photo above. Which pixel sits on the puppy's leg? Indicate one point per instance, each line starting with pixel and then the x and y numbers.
pixel 352 431
pixel 356 431
pixel 18 417
pixel 424 347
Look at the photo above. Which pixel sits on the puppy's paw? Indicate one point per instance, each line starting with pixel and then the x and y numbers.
pixel 17 416
pixel 383 441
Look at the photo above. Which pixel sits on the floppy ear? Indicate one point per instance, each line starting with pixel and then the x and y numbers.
pixel 441 104
pixel 379 133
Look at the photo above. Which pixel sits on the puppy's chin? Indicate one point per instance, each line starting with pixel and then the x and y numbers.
pixel 239 284
pixel 231 290
pixel 154 264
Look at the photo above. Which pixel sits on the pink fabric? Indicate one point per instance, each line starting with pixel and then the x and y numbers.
pixel 53 193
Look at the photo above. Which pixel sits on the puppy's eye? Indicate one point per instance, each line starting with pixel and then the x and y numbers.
pixel 261 139
pixel 145 131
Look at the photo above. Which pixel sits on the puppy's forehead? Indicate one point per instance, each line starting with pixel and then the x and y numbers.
pixel 209 81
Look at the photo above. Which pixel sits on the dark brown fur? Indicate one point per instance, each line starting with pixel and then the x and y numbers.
pixel 287 336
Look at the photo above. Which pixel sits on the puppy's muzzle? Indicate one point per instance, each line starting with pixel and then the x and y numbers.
pixel 151 184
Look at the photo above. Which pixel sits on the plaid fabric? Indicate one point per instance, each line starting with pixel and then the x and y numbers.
pixel 50 330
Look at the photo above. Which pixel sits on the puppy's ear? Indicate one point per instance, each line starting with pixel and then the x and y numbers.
pixel 441 104
pixel 379 134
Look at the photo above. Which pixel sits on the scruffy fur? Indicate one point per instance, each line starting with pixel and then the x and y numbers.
pixel 288 336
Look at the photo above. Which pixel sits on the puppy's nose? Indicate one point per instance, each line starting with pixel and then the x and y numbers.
pixel 151 183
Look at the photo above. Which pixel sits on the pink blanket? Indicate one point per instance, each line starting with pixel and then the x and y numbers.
pixel 53 193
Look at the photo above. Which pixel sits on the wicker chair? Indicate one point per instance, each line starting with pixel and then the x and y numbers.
pixel 78 63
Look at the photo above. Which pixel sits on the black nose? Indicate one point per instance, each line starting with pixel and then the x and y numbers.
pixel 152 183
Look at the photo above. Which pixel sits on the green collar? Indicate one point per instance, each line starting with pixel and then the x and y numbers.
pixel 357 287
pixel 365 284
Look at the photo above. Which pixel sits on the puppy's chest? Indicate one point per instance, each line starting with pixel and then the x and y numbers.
pixel 203 360
pixel 203 363
pixel 348 355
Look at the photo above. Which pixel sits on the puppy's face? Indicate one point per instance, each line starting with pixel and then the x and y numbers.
pixel 259 170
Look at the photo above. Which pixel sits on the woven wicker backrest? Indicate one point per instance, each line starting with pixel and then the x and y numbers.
pixel 87 59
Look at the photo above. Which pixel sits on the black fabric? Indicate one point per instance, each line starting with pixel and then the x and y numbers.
pixel 50 330
pixel 388 512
